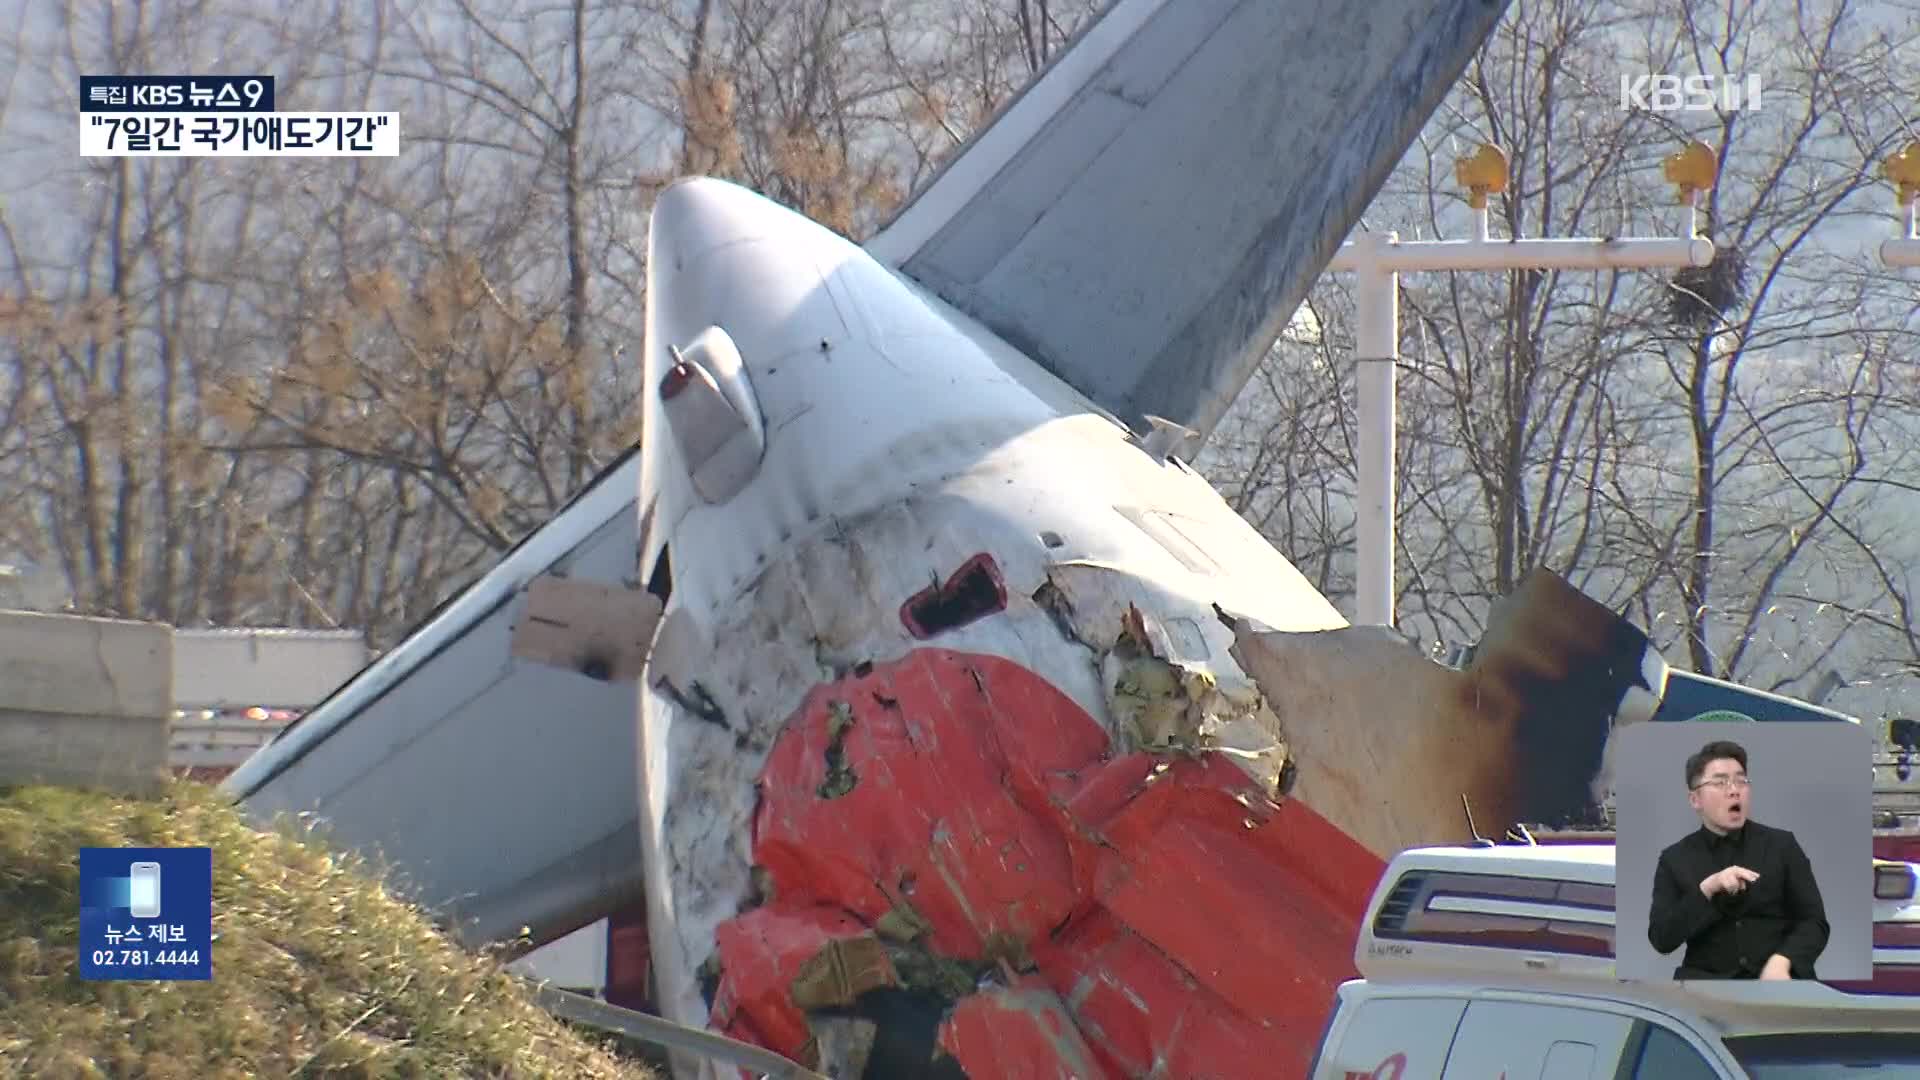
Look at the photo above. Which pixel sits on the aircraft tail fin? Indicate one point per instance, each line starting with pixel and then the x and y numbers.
pixel 1147 215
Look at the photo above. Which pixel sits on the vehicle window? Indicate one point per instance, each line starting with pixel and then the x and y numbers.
pixel 1396 1039
pixel 1320 1048
pixel 1536 1041
pixel 1829 1055
pixel 1667 1056
pixel 1573 1060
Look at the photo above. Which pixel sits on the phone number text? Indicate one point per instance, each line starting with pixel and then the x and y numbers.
pixel 144 957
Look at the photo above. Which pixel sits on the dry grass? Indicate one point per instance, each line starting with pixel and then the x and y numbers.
pixel 316 970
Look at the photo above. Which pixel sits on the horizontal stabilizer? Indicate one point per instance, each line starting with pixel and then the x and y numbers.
pixel 1147 215
pixel 444 758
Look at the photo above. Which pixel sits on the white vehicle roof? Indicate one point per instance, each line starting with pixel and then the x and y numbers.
pixel 1522 917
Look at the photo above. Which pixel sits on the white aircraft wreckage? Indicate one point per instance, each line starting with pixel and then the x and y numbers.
pixel 976 735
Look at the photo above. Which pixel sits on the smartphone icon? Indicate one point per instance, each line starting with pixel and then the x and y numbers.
pixel 143 895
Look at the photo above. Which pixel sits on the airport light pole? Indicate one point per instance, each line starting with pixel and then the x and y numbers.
pixel 1379 258
pixel 1903 169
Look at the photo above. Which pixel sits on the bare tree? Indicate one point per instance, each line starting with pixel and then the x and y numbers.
pixel 1697 448
pixel 157 360
pixel 1762 363
pixel 330 390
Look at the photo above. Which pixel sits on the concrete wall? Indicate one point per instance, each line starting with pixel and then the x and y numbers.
pixel 218 674
pixel 236 667
pixel 84 702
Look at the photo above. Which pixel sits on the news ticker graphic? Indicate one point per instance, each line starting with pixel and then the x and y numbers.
pixel 240 135
pixel 176 93
pixel 218 116
pixel 146 913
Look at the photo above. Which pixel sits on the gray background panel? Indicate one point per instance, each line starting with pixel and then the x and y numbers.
pixel 1814 779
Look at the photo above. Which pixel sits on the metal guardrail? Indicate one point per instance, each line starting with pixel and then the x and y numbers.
pixel 216 742
pixel 595 1013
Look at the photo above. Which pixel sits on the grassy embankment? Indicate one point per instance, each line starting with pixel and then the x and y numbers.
pixel 317 970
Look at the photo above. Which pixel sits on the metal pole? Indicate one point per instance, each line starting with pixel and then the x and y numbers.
pixel 659 1031
pixel 1378 259
pixel 1376 353
pixel 1632 253
pixel 1904 250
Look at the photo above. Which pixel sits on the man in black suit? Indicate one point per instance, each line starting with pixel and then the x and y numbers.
pixel 1738 894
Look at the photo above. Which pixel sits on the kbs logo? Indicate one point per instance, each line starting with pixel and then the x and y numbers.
pixel 158 98
pixel 1689 93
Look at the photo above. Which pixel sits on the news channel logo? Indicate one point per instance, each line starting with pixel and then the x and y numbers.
pixel 219 116
pixel 1662 93
pixel 146 913
pixel 176 93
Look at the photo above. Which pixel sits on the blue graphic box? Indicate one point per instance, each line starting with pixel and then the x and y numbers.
pixel 146 913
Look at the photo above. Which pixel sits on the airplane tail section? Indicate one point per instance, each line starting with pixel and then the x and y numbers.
pixel 1146 216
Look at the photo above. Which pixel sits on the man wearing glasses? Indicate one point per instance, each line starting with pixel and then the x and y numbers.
pixel 1738 894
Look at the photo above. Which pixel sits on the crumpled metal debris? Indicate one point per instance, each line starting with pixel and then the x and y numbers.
pixel 1166 691
pixel 841 971
pixel 1048 902
pixel 1168 706
pixel 1521 732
